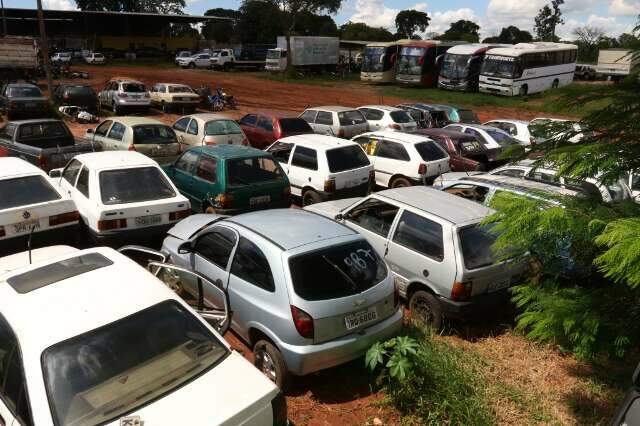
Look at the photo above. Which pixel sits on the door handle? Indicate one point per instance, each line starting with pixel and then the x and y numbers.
pixel 386 250
pixel 218 282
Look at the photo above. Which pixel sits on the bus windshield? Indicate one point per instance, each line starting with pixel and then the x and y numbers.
pixel 455 66
pixel 373 59
pixel 501 66
pixel 411 60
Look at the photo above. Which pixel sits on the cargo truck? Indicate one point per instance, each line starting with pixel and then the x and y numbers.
pixel 18 58
pixel 252 56
pixel 308 53
pixel 616 63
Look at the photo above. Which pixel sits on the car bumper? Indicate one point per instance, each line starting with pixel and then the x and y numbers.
pixel 68 235
pixel 123 236
pixel 356 191
pixel 303 360
pixel 476 306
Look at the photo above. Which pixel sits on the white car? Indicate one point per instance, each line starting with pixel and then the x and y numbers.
pixel 30 204
pixel 402 159
pixel 199 60
pixel 383 117
pixel 122 195
pixel 518 129
pixel 95 58
pixel 111 344
pixel 61 57
pixel 322 168
pixel 489 136
pixel 545 128
pixel 209 129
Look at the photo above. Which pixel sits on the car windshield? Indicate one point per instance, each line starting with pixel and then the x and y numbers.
pixel 501 138
pixel 248 171
pixel 336 271
pixel 468 116
pixel 429 151
pixel 455 66
pixel 401 117
pixel 373 59
pixel 346 158
pixel 81 91
pixel 24 191
pixel 221 127
pixel 100 375
pixel 295 125
pixel 133 88
pixel 499 66
pixel 477 242
pixel 350 118
pixel 153 134
pixel 134 185
pixel 180 89
pixel 24 92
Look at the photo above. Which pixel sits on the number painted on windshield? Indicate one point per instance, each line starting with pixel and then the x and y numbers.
pixel 357 259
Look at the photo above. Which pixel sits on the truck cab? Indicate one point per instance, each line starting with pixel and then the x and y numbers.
pixel 276 59
pixel 223 59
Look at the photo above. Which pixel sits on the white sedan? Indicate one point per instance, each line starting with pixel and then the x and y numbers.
pixel 32 208
pixel 122 196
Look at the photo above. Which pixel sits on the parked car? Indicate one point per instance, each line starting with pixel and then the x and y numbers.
pixel 22 100
pixel 32 209
pixel 145 135
pixel 336 121
pixel 437 247
pixel 401 159
pixel 198 60
pixel 323 168
pixel 425 115
pixel 95 58
pixel 382 117
pixel 171 96
pixel 183 54
pixel 122 196
pixel 230 179
pixel 585 72
pixel 112 359
pixel 545 129
pixel 518 129
pixel 124 94
pixel 264 129
pixel 80 95
pixel 458 115
pixel 490 137
pixel 306 293
pixel 209 129
pixel 465 151
pixel 61 58
pixel 46 143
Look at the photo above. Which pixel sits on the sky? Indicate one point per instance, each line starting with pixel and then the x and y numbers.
pixel 612 16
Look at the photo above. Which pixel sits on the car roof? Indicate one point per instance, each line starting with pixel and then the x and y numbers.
pixel 13 166
pixel 382 107
pixel 208 116
pixel 453 134
pixel 332 108
pixel 115 159
pixel 452 208
pixel 507 120
pixel 230 151
pixel 134 121
pixel 291 228
pixel 410 138
pixel 78 304
pixel 317 141
pixel 518 184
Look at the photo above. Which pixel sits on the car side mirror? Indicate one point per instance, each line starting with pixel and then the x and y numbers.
pixel 90 131
pixel 185 248
pixel 339 217
pixel 55 173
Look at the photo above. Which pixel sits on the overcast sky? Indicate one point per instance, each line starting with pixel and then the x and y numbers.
pixel 613 16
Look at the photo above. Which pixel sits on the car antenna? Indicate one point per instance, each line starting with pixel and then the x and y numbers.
pixel 33 227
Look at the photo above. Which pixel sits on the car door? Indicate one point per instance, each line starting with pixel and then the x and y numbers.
pixel 302 169
pixel 82 197
pixel 264 130
pixel 391 158
pixel 247 124
pixel 193 134
pixel 324 123
pixel 69 176
pixel 203 61
pixel 181 174
pixel 99 135
pixel 180 127
pixel 372 218
pixel 206 184
pixel 14 405
pixel 114 141
pixel 310 117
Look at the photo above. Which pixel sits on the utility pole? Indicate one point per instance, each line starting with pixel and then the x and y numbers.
pixel 44 49
pixel 4 20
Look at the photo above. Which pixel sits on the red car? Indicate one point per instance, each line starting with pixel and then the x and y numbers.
pixel 264 129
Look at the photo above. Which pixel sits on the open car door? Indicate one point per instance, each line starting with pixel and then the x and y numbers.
pixel 628 412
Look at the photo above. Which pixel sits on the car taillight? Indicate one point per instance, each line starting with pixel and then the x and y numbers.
pixel 224 201
pixel 341 133
pixel 279 410
pixel 2 232
pixel 42 161
pixel 422 169
pixel 395 126
pixel 461 291
pixel 122 95
pixel 329 185
pixel 60 219
pixel 131 147
pixel 108 225
pixel 181 214
pixel 303 322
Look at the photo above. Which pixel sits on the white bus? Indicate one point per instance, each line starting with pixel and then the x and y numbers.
pixel 528 68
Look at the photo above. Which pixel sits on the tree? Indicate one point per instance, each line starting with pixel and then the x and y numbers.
pixel 148 6
pixel 316 25
pixel 462 30
pixel 252 27
pixel 510 35
pixel 547 20
pixel 363 32
pixel 628 41
pixel 221 31
pixel 587 39
pixel 408 22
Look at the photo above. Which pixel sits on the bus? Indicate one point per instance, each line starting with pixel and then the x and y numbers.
pixel 418 63
pixel 460 67
pixel 527 68
pixel 379 61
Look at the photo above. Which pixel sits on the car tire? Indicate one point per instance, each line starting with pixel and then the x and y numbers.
pixel 165 107
pixel 192 65
pixel 400 182
pixel 425 308
pixel 524 90
pixel 555 84
pixel 310 197
pixel 115 109
pixel 270 362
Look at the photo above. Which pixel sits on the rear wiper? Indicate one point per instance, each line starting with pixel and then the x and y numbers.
pixel 342 273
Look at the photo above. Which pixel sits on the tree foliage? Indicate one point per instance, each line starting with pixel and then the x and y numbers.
pixel 148 6
pixel 510 35
pixel 252 27
pixel 546 21
pixel 408 22
pixel 588 39
pixel 462 30
pixel 361 31
pixel 221 31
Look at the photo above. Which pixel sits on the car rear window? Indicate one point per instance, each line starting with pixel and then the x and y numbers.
pixel 401 117
pixel 134 185
pixel 24 92
pixel 180 89
pixel 429 151
pixel 80 91
pixel 469 146
pixel 294 125
pixel 336 271
pixel 501 138
pixel 468 116
pixel 350 118
pixel 477 242
pixel 133 88
pixel 53 129
pixel 153 134
pixel 221 127
pixel 346 158
pixel 24 191
pixel 247 171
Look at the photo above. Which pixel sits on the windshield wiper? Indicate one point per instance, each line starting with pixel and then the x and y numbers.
pixel 342 273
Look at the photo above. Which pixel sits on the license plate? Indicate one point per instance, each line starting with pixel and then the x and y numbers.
pixel 148 220
pixel 352 183
pixel 161 151
pixel 498 285
pixel 263 199
pixel 22 227
pixel 359 318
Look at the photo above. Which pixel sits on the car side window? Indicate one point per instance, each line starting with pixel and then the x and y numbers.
pixel 117 131
pixel 517 173
pixel 373 114
pixel 249 120
pixel 102 129
pixel 83 182
pixel 369 144
pixel 392 150
pixel 306 158
pixel 471 192
pixel 193 127
pixel 13 390
pixel 70 173
pixel 374 215
pixel 250 264
pixel 281 151
pixel 265 124
pixel 187 163
pixel 476 134
pixel 9 131
pixel 420 234
pixel 324 117
pixel 309 115
pixel 208 169
pixel 181 125
pixel 216 246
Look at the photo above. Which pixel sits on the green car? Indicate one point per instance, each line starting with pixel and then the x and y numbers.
pixel 230 179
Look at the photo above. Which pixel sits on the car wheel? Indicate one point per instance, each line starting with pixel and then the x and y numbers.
pixel 310 197
pixel 524 90
pixel 165 107
pixel 192 65
pixel 115 109
pixel 555 84
pixel 400 182
pixel 424 307
pixel 269 361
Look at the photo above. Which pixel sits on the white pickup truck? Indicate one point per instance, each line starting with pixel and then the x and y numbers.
pixel 247 56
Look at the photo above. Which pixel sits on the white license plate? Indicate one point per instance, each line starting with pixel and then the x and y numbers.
pixel 498 285
pixel 148 220
pixel 22 227
pixel 359 318
pixel 263 199
pixel 352 183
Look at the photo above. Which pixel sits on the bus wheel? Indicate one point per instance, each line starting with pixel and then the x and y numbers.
pixel 555 84
pixel 523 90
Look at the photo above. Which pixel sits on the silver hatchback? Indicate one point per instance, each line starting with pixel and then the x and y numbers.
pixel 119 95
pixel 338 121
pixel 306 293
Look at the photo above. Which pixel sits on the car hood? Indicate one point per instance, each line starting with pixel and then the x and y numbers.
pixel 186 228
pixel 331 208
pixel 445 178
